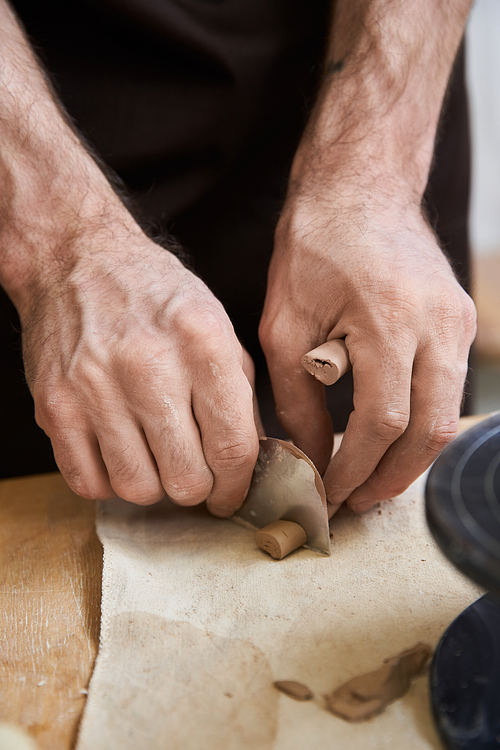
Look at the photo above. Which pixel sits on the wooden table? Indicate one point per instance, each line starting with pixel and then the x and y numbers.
pixel 50 594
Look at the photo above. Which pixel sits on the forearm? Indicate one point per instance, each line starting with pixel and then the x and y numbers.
pixel 354 257
pixel 134 367
pixel 386 72
pixel 50 186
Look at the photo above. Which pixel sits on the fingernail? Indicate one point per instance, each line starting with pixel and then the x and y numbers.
pixel 361 507
pixel 220 511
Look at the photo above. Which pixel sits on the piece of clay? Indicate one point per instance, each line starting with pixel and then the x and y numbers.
pixel 280 538
pixel 327 362
pixel 295 690
pixel 367 695
pixel 286 485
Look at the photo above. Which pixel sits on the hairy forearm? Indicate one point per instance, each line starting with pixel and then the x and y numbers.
pixel 50 187
pixel 134 367
pixel 386 72
pixel 355 258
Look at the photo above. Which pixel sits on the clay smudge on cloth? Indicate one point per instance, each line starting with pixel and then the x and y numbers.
pixel 295 690
pixel 367 695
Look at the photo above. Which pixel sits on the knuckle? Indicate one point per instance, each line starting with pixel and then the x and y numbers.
pixel 75 481
pixel 123 470
pixel 81 476
pixel 236 455
pixel 297 225
pixel 207 322
pixel 440 436
pixel 82 484
pixel 208 338
pixel 135 359
pixel 457 313
pixel 388 425
pixel 145 492
pixel 188 489
pixel 52 411
pixel 132 481
pixel 184 474
pixel 396 316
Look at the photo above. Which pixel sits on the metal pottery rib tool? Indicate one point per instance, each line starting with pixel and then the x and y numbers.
pixel 286 486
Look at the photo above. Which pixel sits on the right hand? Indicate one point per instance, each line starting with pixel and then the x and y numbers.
pixel 136 372
pixel 138 377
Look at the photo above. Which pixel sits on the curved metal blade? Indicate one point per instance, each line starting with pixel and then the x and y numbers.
pixel 287 486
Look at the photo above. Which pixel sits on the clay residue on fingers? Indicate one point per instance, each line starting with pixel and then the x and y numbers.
pixel 367 695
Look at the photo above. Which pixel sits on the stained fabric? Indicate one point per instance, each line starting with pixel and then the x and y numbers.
pixel 197 624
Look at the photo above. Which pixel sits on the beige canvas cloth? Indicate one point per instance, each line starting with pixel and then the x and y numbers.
pixel 197 623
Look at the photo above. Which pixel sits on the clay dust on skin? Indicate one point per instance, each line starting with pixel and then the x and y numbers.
pixel 214 369
pixel 172 411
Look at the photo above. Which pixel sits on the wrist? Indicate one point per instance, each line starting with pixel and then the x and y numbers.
pixel 350 191
pixel 372 151
pixel 351 214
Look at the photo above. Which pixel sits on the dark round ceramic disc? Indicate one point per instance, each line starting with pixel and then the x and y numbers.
pixel 465 679
pixel 463 503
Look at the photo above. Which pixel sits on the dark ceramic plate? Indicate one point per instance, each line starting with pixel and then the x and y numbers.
pixel 465 679
pixel 463 503
pixel 463 512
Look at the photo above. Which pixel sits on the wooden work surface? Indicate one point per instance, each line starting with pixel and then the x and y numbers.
pixel 50 594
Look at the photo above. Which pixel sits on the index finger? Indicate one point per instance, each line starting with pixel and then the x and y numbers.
pixel 382 392
pixel 300 400
pixel 224 410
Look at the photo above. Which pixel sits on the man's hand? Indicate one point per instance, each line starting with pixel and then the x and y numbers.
pixel 355 258
pixel 137 375
pixel 138 381
pixel 408 326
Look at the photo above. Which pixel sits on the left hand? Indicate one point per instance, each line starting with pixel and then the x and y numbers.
pixel 366 267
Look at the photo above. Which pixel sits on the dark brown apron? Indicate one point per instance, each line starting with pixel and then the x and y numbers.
pixel 198 106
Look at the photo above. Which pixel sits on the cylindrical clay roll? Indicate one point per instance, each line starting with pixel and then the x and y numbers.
pixel 280 538
pixel 328 362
